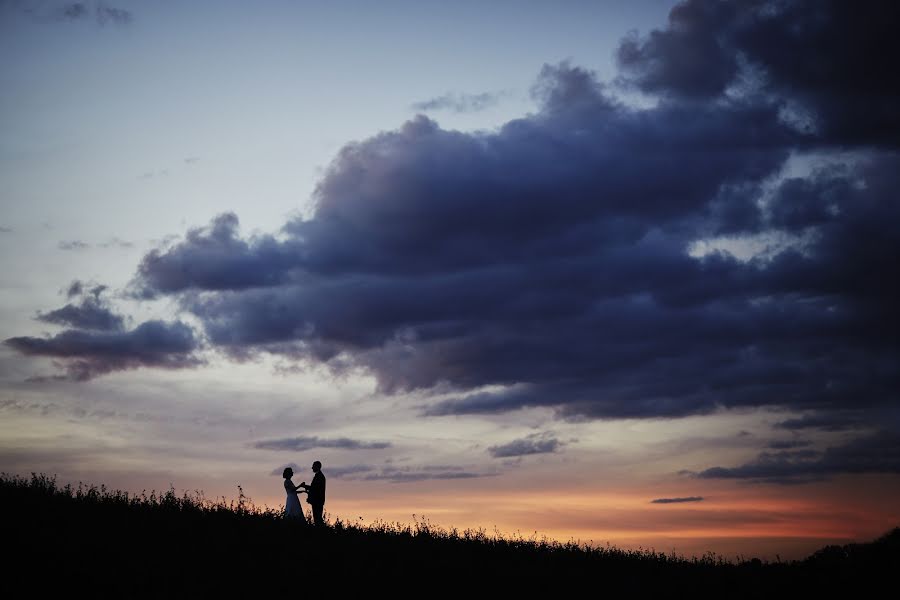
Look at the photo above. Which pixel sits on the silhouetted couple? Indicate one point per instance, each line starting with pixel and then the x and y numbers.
pixel 315 494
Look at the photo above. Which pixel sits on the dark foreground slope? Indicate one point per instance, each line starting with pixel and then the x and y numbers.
pixel 99 543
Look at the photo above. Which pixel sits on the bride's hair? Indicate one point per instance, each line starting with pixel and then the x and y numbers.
pixel 287 472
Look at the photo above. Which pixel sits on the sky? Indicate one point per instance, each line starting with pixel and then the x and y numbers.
pixel 615 272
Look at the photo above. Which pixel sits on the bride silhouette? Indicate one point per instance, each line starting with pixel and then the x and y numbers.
pixel 292 508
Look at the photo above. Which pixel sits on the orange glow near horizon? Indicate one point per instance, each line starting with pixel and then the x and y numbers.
pixel 770 524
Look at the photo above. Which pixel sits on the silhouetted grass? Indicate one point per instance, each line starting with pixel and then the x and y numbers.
pixel 160 544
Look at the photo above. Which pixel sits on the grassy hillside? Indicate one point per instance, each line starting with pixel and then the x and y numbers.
pixel 106 543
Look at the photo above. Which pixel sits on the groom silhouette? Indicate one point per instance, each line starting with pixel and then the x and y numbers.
pixel 315 494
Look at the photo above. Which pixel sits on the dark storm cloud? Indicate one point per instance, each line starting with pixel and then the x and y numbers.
pixel 534 444
pixel 829 58
pixel 689 57
pixel 86 354
pixel 6 230
pixel 875 453
pixel 299 444
pixel 677 500
pixel 460 103
pixel 550 257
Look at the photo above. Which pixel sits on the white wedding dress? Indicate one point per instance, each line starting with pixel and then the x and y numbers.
pixel 292 505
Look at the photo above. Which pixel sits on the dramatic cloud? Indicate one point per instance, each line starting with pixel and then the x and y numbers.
pixel 460 103
pixel 86 354
pixel 677 500
pixel 729 246
pixel 338 472
pixel 874 453
pixel 550 258
pixel 828 62
pixel 534 444
pixel 299 444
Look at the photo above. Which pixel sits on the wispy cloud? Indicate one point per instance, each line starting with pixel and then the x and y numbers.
pixel 100 12
pixel 113 242
pixel 116 242
pixel 423 473
pixel 109 14
pixel 533 444
pixel 677 500
pixel 154 174
pixel 831 421
pixel 460 103
pixel 71 12
pixel 280 470
pixel 302 443
pixel 340 472
pixel 73 245
pixel 874 453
